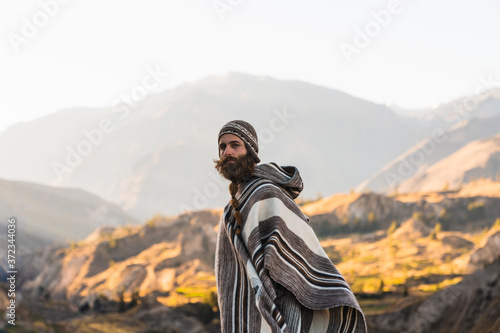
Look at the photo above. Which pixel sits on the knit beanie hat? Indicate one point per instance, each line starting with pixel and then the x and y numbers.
pixel 245 132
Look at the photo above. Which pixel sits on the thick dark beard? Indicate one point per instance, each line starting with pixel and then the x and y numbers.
pixel 240 170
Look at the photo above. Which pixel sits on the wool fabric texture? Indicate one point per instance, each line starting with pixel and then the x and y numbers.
pixel 245 132
pixel 274 276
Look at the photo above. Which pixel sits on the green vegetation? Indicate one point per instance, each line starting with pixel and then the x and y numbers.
pixel 475 205
pixel 104 235
pixel 371 217
pixel 128 229
pixel 445 219
pixel 437 229
pixel 121 301
pixel 152 222
pixel 368 259
pixel 191 292
pixel 325 229
pixel 112 242
pixel 135 298
pixel 475 210
pixel 392 227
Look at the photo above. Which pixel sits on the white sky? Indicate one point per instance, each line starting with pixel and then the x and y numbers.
pixel 92 51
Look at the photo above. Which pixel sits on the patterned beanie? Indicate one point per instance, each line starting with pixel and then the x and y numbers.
pixel 245 132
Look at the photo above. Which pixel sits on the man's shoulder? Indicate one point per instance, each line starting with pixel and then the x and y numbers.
pixel 262 188
pixel 262 184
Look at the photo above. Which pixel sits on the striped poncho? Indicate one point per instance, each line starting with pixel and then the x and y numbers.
pixel 275 276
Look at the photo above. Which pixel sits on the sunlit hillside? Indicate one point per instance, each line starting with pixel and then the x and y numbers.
pixel 395 251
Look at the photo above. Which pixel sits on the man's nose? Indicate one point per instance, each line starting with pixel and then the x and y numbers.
pixel 227 151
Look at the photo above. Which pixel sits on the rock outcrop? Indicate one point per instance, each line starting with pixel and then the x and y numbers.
pixel 487 254
pixel 160 256
pixel 470 306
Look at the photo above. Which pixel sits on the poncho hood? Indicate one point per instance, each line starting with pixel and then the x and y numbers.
pixel 287 177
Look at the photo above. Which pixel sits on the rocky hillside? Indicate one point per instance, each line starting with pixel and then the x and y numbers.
pixel 408 171
pixel 164 255
pixel 167 264
pixel 468 306
pixel 478 159
pixel 46 214
pixel 369 212
pixel 395 251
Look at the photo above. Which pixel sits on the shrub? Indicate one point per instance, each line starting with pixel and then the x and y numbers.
pixel 371 217
pixel 418 216
pixel 112 242
pixel 475 205
pixel 392 228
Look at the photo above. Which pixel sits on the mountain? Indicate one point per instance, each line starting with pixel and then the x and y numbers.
pixel 468 306
pixel 159 275
pixel 480 105
pixel 369 212
pixel 157 256
pixel 156 155
pixel 426 153
pixel 167 263
pixel 478 159
pixel 44 214
pixel 165 254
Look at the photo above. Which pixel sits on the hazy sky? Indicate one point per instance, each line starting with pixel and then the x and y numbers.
pixel 58 54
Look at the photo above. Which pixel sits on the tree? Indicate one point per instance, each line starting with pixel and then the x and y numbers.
pixel 121 300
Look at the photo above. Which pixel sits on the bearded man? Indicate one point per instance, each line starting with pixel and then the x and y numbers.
pixel 271 272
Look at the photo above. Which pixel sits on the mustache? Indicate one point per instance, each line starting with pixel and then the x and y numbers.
pixel 223 161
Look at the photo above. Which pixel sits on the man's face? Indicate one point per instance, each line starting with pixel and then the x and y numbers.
pixel 234 163
pixel 231 145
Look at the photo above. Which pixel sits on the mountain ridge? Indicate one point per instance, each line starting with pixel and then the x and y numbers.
pixel 44 214
pixel 133 157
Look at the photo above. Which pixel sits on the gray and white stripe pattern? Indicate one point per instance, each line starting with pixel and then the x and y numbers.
pixel 275 276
